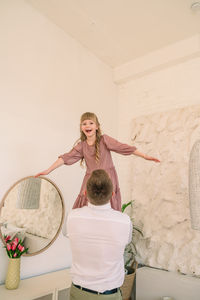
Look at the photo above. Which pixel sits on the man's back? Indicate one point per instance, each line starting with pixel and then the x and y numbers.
pixel 98 236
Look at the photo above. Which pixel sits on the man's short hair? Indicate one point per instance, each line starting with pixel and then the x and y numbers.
pixel 99 187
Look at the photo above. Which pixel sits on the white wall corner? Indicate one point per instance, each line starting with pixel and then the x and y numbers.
pixel 157 60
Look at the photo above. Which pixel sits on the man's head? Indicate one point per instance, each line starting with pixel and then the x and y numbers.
pixel 99 187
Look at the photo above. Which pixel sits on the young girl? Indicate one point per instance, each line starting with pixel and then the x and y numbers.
pixel 94 148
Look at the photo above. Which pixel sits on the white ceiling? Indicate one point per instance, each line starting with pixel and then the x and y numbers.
pixel 118 31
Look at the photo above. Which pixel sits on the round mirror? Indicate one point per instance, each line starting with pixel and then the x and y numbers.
pixel 33 211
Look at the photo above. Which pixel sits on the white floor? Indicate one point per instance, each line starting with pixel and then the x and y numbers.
pixel 153 284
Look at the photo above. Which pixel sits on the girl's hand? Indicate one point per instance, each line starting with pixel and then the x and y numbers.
pixel 42 173
pixel 151 158
pixel 59 162
pixel 145 156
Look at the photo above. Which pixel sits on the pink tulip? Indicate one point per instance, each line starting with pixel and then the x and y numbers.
pixel 7 238
pixel 16 240
pixel 21 248
pixel 15 254
pixel 14 246
pixel 8 247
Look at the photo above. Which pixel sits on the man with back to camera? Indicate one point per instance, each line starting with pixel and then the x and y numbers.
pixel 98 235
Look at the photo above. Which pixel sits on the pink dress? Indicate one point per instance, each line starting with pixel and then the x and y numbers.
pixel 83 150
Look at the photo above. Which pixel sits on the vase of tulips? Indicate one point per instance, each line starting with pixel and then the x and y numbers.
pixel 14 248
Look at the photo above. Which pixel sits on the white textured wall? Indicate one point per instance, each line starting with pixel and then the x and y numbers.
pixel 161 191
pixel 47 81
pixel 159 208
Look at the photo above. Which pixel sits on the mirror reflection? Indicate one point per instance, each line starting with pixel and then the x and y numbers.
pixel 33 211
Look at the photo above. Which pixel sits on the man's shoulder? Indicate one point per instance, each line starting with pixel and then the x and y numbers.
pixel 121 217
pixel 78 211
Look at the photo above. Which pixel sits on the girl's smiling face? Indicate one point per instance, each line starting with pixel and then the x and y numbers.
pixel 89 128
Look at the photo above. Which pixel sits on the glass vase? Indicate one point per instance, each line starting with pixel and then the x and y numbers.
pixel 13 274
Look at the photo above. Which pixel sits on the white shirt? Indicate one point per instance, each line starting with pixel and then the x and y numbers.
pixel 98 236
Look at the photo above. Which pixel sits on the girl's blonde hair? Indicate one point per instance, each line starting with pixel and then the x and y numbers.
pixel 93 117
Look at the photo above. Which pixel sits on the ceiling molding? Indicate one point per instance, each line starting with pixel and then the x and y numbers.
pixel 157 60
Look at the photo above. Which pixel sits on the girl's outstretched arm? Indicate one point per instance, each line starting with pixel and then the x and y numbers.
pixel 114 145
pixel 59 162
pixel 145 156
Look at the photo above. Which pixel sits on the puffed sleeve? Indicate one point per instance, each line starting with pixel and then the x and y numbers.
pixel 114 145
pixel 74 155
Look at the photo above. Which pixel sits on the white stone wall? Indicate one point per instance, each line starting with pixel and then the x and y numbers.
pixel 160 191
